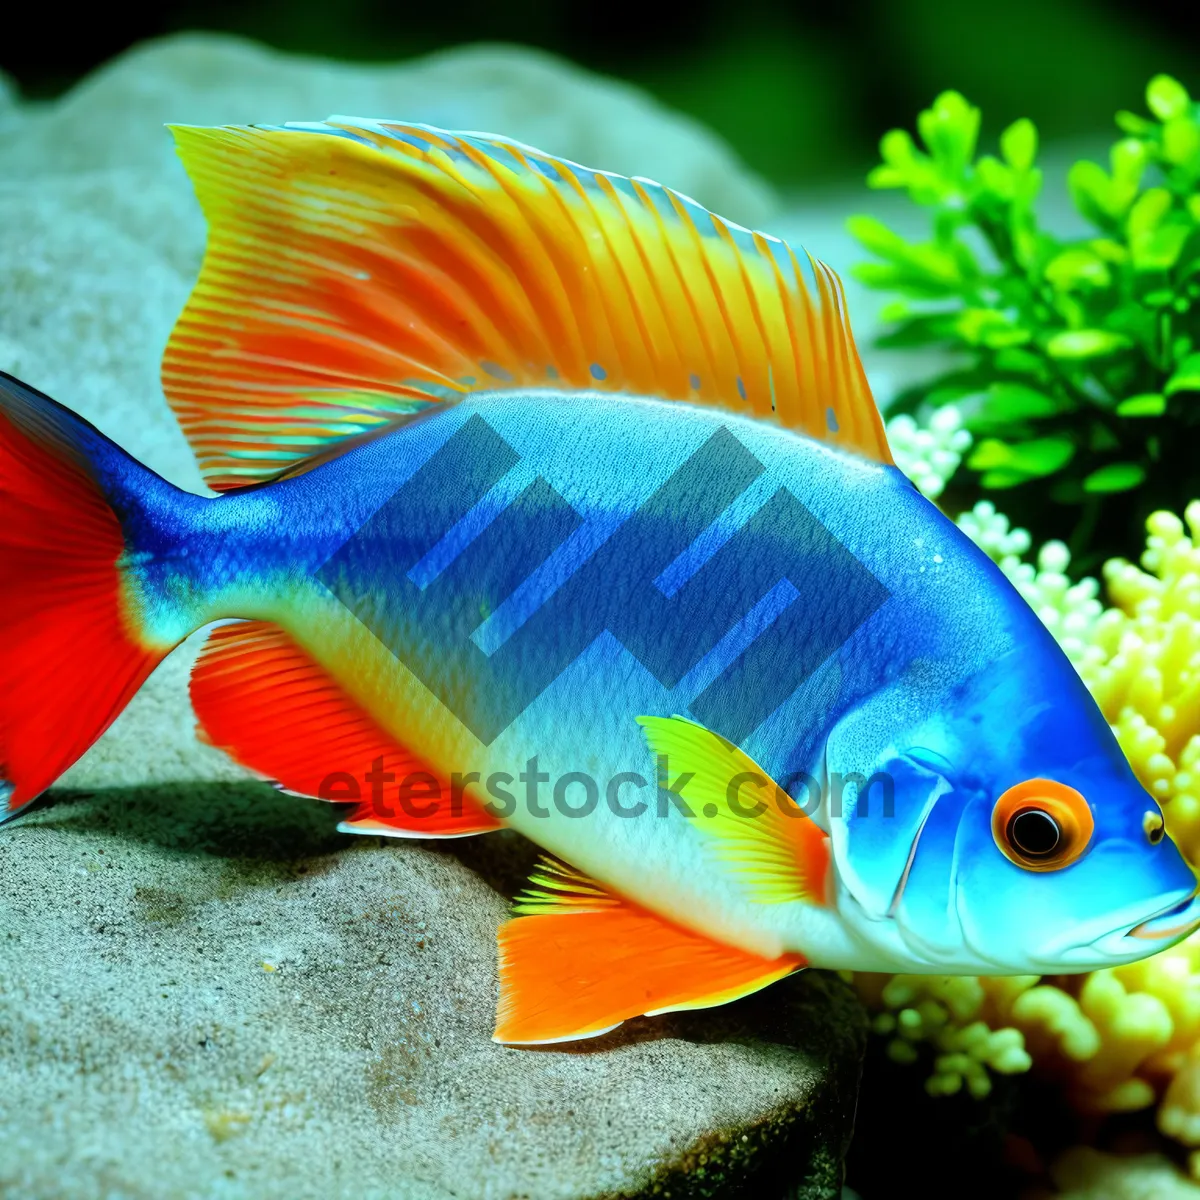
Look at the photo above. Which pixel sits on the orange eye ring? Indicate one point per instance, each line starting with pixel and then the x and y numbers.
pixel 1041 825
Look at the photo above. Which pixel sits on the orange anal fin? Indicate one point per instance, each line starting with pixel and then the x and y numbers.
pixel 263 700
pixel 579 973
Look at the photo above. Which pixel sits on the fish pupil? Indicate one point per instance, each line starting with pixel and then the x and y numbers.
pixel 1034 833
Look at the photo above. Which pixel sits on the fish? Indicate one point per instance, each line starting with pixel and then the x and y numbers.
pixel 545 499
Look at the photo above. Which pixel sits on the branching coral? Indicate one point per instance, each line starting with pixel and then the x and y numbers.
pixel 1125 1038
pixel 1086 1174
pixel 1147 679
pixel 1075 365
pixel 929 454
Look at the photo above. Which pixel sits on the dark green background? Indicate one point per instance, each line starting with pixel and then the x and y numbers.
pixel 803 91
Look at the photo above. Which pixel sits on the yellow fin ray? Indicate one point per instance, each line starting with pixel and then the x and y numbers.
pixel 357 270
pixel 755 827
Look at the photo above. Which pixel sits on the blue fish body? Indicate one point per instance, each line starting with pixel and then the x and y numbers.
pixel 551 567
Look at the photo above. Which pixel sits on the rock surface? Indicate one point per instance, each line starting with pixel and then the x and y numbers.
pixel 101 240
pixel 207 991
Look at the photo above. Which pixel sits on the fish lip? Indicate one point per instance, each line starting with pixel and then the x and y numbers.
pixel 1176 920
pixel 1124 937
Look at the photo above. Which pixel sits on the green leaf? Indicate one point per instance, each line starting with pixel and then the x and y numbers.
pixel 1148 404
pixel 897 149
pixel 1186 377
pixel 918 284
pixel 1019 362
pixel 1036 457
pixel 903 164
pixel 925 329
pixel 1160 250
pixel 1116 477
pixel 1016 402
pixel 1131 123
pixel 1110 251
pixel 1128 159
pixel 996 480
pixel 1181 140
pixel 923 269
pixel 949 128
pixel 995 178
pixel 1092 192
pixel 1077 344
pixel 987 327
pixel 1166 97
pixel 1077 267
pixel 875 236
pixel 1145 215
pixel 906 166
pixel 886 177
pixel 1103 199
pixel 1019 144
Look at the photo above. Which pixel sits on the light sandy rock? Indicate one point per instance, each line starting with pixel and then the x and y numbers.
pixel 115 117
pixel 101 240
pixel 207 992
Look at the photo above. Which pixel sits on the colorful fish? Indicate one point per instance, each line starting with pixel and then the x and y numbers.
pixel 551 500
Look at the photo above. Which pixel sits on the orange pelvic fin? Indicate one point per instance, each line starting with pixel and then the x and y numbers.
pixel 580 960
pixel 262 700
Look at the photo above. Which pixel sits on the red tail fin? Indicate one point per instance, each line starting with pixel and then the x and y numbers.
pixel 70 654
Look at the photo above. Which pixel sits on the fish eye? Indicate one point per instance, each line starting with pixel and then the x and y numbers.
pixel 1041 825
pixel 1152 823
pixel 1033 832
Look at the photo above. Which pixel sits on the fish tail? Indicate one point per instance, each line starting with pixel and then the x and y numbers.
pixel 74 641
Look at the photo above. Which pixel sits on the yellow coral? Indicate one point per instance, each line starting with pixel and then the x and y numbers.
pixel 1129 1037
pixel 1148 680
pixel 1086 1174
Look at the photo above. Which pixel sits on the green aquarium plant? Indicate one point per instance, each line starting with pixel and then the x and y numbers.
pixel 1075 361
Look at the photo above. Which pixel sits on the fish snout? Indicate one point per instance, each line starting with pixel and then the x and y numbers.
pixel 1172 923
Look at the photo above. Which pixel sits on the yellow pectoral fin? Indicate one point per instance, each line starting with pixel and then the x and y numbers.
pixel 756 830
pixel 582 960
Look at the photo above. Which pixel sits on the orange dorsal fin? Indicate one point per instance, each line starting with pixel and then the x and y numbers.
pixel 357 270
pixel 263 700
pixel 580 960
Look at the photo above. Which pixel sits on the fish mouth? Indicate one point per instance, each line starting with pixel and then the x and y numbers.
pixel 1174 922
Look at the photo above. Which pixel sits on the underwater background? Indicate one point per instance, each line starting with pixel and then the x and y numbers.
pixel 1032 327
pixel 802 91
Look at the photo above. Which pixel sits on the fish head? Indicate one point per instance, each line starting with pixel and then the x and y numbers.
pixel 1019 840
pixel 1073 873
